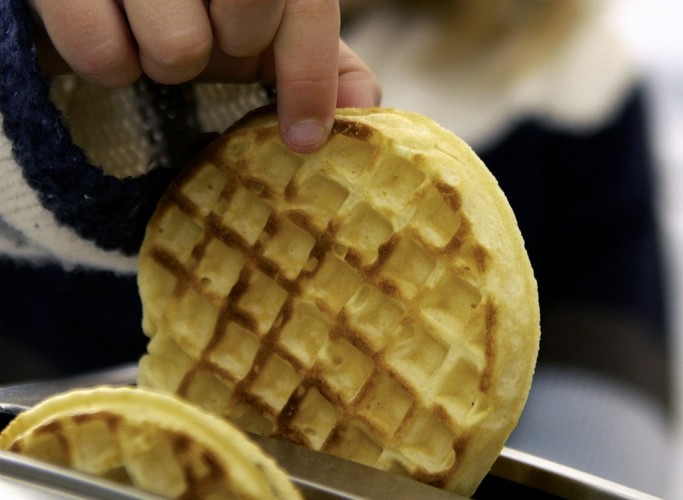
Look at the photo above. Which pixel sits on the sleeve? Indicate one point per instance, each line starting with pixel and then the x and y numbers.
pixel 56 204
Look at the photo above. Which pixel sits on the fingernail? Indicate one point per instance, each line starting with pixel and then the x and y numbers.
pixel 306 135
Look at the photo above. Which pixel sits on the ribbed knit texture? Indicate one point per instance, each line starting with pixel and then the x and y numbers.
pixel 108 211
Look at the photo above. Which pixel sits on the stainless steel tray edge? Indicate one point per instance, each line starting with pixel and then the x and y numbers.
pixel 556 479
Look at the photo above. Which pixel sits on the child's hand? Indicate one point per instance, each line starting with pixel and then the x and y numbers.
pixel 293 44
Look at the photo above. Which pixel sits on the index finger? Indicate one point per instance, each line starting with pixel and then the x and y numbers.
pixel 306 51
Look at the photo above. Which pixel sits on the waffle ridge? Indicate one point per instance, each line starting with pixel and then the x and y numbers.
pixel 338 299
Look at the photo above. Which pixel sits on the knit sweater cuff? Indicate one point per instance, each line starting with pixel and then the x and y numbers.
pixel 54 203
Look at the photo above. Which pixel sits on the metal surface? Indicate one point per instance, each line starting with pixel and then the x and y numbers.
pixel 555 479
pixel 30 393
pixel 318 475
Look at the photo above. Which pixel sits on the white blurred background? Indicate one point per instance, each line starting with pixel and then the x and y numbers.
pixel 655 30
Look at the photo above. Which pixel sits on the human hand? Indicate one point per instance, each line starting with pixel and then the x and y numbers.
pixel 292 44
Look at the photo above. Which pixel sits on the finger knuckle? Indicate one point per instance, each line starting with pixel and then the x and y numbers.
pixel 106 62
pixel 181 49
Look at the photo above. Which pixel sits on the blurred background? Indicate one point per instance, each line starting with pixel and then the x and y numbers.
pixel 655 34
pixel 577 108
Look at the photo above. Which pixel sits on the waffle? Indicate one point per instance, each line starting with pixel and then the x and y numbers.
pixel 155 442
pixel 372 300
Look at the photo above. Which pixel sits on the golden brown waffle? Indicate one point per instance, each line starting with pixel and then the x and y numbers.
pixel 373 299
pixel 156 442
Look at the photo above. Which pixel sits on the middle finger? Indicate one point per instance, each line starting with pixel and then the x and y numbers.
pixel 245 28
pixel 174 37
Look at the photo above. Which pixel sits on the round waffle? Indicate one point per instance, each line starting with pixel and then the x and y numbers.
pixel 156 442
pixel 373 299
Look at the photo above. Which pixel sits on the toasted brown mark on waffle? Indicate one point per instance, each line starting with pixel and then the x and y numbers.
pixel 352 129
pixel 51 428
pixel 201 469
pixel 198 479
pixel 489 347
pixel 111 419
pixel 449 194
pixel 363 409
